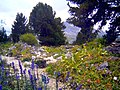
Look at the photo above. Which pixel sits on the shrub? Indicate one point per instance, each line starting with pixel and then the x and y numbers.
pixel 29 39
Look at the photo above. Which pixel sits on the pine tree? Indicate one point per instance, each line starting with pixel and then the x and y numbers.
pixel 19 27
pixel 3 35
pixel 87 13
pixel 48 28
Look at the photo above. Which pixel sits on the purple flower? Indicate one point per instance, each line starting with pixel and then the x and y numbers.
pixel 13 66
pixel 0 58
pixel 17 76
pixel 31 77
pixel 2 68
pixel 12 63
pixel 32 65
pixel 5 83
pixel 29 72
pixel 79 87
pixel 0 87
pixel 7 74
pixel 24 71
pixel 43 78
pixel 20 66
pixel 0 78
pixel 60 88
pixel 40 88
pixel 36 66
pixel 67 77
pixel 57 74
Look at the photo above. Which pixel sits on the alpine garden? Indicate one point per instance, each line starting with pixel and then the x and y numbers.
pixel 37 56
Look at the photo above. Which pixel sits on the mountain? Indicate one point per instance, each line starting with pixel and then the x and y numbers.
pixel 71 32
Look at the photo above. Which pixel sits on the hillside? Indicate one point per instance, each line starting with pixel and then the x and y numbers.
pixel 88 66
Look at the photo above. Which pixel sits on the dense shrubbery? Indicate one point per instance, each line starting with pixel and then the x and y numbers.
pixel 29 39
pixel 4 47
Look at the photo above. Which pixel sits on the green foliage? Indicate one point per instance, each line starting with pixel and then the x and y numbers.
pixel 4 47
pixel 19 27
pixel 48 28
pixel 83 67
pixel 29 39
pixel 102 41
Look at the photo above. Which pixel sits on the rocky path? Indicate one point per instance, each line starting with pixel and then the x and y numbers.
pixel 51 83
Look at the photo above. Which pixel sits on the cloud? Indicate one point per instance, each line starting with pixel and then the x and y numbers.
pixel 10 8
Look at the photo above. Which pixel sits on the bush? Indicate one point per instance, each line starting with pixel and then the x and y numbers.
pixel 29 39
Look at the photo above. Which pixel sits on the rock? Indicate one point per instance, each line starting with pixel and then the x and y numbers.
pixel 59 58
pixel 103 66
pixel 114 48
pixel 41 63
pixel 68 55
pixel 117 39
pixel 50 60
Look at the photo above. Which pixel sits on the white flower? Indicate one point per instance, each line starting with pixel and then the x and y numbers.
pixel 115 78
pixel 33 57
pixel 81 58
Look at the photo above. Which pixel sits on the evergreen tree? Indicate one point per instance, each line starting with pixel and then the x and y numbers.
pixel 48 28
pixel 114 31
pixel 3 35
pixel 79 19
pixel 89 12
pixel 19 27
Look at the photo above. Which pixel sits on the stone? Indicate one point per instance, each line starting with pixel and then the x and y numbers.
pixel 103 66
pixel 41 63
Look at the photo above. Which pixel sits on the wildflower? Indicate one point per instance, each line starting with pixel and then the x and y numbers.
pixel 79 87
pixel 36 66
pixel 13 66
pixel 17 76
pixel 43 78
pixel 47 80
pixel 0 58
pixel 7 74
pixel 0 87
pixel 115 78
pixel 24 71
pixel 20 66
pixel 2 67
pixel 67 77
pixel 32 65
pixel 29 72
pixel 40 88
pixel 98 81
pixel 60 88
pixel 57 74
pixel 12 63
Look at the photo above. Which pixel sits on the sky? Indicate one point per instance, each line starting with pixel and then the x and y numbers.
pixel 10 8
